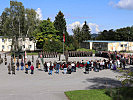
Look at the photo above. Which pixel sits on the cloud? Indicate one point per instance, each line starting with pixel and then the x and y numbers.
pixel 124 4
pixel 39 13
pixel 93 27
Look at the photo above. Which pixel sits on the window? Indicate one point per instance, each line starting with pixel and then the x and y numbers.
pixel 3 40
pixel 30 46
pixel 3 47
pixel 9 47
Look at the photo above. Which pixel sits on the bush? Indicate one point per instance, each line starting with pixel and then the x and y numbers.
pixel 89 50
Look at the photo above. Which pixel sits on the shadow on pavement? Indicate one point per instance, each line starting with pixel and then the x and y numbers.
pixel 101 83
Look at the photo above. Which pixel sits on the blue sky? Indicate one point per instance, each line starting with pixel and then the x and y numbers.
pixel 99 14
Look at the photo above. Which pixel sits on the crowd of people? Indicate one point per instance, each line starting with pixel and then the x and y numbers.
pixel 66 67
pixel 112 61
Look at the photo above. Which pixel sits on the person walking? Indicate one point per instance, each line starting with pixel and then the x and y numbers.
pixel 32 69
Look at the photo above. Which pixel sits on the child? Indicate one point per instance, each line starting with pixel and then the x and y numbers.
pixel 32 69
pixel 26 68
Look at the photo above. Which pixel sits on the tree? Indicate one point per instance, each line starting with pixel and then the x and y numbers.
pixel 81 33
pixel 31 22
pixel 85 31
pixel 122 34
pixel 17 22
pixel 60 24
pixel 47 36
pixel 77 33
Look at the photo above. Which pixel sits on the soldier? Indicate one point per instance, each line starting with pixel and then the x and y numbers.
pixel 13 67
pixel 0 59
pixel 37 62
pixel 59 56
pixel 66 56
pixel 9 69
pixel 32 58
pixel 5 61
pixel 17 64
pixel 56 54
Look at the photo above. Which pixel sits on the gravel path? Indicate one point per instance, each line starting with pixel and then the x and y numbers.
pixel 42 86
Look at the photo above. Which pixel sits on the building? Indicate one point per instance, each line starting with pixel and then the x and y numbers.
pixel 108 45
pixel 5 44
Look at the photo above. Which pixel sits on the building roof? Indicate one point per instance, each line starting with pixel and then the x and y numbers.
pixel 103 41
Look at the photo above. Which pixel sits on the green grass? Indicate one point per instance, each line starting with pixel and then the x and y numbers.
pixel 83 49
pixel 32 53
pixel 96 94
pixel 123 93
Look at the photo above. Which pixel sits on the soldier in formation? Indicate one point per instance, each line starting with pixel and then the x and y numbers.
pixel 5 60
pixel 12 66
pixel 9 69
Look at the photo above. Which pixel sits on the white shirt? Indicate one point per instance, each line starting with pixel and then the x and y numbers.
pixel 48 64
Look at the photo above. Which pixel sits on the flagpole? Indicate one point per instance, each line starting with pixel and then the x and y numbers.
pixel 63 42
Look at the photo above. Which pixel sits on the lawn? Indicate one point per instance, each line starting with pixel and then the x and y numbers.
pixel 32 53
pixel 96 94
pixel 123 93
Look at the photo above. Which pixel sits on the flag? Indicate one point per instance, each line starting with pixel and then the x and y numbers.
pixel 25 54
pixel 63 37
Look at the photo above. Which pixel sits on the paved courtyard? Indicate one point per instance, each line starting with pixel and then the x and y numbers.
pixel 41 86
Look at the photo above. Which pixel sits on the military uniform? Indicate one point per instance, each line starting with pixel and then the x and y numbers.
pixel 32 58
pixel 59 56
pixel 9 69
pixel 5 61
pixel 13 67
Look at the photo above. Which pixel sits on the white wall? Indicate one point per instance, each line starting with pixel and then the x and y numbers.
pixel 29 45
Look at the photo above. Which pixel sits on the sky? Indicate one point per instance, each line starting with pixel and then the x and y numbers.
pixel 99 14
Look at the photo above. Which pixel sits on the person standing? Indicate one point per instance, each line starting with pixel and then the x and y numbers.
pixel 13 68
pixel 48 65
pixel 9 69
pixel 22 65
pixel 5 61
pixel 32 58
pixel 51 69
pixel 65 68
pixel 32 69
pixel 26 68
pixel 37 63
pixel 17 64
pixel 57 68
pixel 29 64
pixel 59 56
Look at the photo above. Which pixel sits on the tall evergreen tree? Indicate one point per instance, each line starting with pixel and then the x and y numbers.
pixel 60 24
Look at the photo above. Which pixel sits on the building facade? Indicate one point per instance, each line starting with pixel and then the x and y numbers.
pixel 109 45
pixel 5 44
